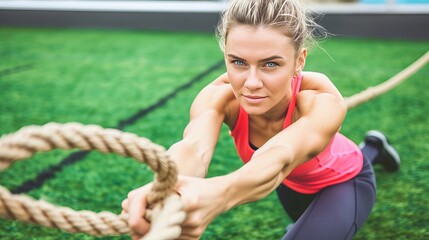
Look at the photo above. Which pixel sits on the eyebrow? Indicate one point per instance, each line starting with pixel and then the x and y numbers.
pixel 262 60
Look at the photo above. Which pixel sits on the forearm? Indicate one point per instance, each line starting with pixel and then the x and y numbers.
pixel 257 178
pixel 189 160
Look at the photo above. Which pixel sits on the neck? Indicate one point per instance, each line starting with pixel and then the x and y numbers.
pixel 273 119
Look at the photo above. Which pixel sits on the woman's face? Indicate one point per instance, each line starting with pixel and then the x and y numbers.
pixel 261 63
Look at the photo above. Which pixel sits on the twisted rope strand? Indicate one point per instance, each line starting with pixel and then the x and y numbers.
pixel 28 210
pixel 32 139
pixel 373 92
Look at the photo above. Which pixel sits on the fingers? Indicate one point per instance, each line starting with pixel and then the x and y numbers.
pixel 136 211
pixel 192 224
pixel 135 206
pixel 124 205
pixel 132 194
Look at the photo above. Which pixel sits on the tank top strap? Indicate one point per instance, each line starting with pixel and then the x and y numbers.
pixel 296 86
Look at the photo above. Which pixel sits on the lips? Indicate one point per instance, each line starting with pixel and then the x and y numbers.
pixel 254 98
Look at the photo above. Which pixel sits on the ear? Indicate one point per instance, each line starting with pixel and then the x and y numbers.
pixel 300 60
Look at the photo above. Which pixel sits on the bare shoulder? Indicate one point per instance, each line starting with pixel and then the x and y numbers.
pixel 315 76
pixel 216 96
pixel 221 80
pixel 319 83
pixel 310 100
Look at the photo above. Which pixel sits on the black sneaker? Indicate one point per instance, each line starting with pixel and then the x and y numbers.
pixel 388 157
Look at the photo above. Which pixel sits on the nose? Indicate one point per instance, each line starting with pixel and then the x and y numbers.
pixel 253 80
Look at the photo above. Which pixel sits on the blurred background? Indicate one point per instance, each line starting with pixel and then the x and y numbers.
pixel 137 66
pixel 401 19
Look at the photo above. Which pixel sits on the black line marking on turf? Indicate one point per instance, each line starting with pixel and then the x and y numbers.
pixel 49 173
pixel 16 69
pixel 169 96
pixel 72 158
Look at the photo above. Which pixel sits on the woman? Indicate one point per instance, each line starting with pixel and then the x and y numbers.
pixel 285 125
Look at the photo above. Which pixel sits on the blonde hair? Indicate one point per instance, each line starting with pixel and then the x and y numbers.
pixel 286 15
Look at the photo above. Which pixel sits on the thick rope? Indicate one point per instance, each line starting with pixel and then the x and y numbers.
pixel 29 140
pixel 382 88
pixel 33 139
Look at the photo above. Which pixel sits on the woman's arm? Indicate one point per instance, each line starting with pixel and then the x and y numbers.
pixel 192 155
pixel 194 152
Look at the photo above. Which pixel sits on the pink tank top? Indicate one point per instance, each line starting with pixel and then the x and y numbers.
pixel 340 161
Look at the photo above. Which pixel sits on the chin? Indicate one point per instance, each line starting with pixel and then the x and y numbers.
pixel 254 110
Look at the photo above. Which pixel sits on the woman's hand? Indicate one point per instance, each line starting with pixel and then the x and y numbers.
pixel 202 202
pixel 135 206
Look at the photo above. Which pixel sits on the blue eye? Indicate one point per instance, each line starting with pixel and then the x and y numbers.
pixel 271 64
pixel 238 62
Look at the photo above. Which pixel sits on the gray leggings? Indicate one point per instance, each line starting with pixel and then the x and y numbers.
pixel 334 213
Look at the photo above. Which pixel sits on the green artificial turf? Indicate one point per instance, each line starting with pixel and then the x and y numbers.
pixel 102 77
